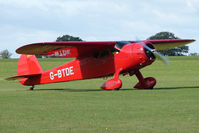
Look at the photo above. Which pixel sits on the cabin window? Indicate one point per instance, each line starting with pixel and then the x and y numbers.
pixel 119 45
pixel 114 51
pixel 102 54
pixel 96 54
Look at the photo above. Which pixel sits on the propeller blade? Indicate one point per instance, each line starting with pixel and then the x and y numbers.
pixel 161 57
pixel 157 54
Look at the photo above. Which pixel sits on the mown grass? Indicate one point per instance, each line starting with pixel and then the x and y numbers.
pixel 80 106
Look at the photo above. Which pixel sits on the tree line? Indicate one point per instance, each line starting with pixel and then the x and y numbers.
pixel 179 51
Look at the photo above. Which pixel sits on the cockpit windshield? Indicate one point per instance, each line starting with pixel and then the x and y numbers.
pixel 119 45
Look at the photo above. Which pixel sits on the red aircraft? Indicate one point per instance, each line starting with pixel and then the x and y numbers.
pixel 92 60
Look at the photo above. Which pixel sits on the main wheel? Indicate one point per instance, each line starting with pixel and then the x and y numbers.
pixel 148 83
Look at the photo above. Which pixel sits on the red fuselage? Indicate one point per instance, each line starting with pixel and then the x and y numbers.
pixel 131 57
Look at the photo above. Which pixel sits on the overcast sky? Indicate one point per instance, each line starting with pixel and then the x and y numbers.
pixel 30 21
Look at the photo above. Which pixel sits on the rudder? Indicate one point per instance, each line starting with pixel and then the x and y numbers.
pixel 28 65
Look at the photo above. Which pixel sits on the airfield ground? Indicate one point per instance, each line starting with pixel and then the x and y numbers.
pixel 81 107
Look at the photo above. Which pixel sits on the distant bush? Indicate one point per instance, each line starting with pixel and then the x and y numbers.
pixel 5 54
pixel 193 54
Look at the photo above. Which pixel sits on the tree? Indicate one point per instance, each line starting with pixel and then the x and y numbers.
pixel 5 54
pixel 66 38
pixel 179 51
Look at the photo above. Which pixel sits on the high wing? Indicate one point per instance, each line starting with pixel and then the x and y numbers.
pixel 169 44
pixel 80 49
pixel 65 49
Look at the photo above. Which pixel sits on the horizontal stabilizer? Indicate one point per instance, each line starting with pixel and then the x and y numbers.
pixel 22 76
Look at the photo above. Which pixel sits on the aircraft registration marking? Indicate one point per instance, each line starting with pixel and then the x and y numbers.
pixel 61 53
pixel 61 73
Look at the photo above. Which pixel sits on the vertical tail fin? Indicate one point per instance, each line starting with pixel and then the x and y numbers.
pixel 28 65
pixel 29 70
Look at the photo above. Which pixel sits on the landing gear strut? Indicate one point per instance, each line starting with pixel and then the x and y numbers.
pixel 144 83
pixel 32 88
pixel 113 84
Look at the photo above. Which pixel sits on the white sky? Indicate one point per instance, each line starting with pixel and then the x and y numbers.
pixel 30 21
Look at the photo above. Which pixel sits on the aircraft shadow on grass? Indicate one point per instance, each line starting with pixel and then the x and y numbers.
pixel 70 90
pixel 82 90
pixel 179 87
pixel 124 89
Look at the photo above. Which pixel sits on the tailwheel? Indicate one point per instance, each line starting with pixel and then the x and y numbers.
pixel 32 88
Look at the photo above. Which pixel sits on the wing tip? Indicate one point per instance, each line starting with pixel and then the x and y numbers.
pixel 187 41
pixel 192 40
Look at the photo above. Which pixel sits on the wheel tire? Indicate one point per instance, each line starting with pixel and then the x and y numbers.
pixel 150 88
pixel 31 88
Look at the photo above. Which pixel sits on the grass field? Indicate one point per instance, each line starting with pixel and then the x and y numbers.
pixel 81 107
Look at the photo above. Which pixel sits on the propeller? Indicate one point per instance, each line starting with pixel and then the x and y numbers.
pixel 157 54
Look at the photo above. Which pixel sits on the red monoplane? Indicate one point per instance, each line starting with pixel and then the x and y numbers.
pixel 92 60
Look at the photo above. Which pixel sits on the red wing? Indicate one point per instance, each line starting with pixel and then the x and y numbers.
pixel 169 44
pixel 79 49
pixel 64 49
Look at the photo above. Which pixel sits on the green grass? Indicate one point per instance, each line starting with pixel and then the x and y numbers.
pixel 81 107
